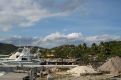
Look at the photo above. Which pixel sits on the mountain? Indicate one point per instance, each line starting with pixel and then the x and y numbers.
pixel 7 48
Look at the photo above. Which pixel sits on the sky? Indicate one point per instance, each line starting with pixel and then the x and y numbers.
pixel 51 23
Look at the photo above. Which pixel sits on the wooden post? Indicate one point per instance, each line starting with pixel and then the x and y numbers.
pixel 32 74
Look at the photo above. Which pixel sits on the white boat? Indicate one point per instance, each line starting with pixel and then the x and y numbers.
pixel 13 56
pixel 23 58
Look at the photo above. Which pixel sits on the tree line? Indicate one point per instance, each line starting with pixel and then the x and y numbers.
pixel 95 52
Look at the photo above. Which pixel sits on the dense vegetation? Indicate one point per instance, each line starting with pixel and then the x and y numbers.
pixel 93 53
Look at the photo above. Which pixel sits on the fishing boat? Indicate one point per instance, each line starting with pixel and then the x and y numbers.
pixel 22 58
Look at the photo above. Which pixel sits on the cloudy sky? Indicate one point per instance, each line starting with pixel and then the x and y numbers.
pixel 51 23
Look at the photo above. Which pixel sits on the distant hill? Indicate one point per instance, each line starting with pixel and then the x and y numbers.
pixel 7 48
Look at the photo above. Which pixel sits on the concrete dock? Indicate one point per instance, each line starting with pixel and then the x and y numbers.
pixel 13 76
pixel 12 70
pixel 39 66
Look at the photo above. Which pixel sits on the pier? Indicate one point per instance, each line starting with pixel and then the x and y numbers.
pixel 39 66
pixel 18 72
pixel 13 76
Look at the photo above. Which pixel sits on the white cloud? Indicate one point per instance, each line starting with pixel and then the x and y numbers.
pixel 21 13
pixel 57 38
pixel 74 35
pixel 100 38
pixel 54 36
pixel 24 13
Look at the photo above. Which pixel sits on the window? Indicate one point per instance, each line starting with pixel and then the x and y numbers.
pixel 17 56
pixel 24 58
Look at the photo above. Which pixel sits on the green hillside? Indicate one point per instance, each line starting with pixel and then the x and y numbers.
pixel 7 48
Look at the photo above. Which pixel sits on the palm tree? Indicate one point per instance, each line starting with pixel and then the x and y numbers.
pixel 94 48
pixel 84 46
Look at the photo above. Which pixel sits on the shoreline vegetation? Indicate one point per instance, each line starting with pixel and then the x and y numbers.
pixel 86 54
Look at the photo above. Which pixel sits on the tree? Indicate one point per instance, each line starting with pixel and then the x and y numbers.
pixel 84 46
pixel 94 48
